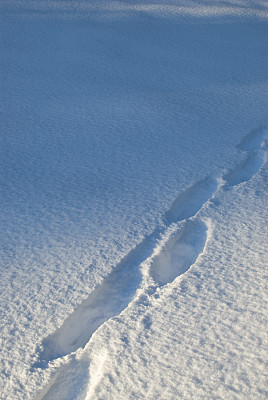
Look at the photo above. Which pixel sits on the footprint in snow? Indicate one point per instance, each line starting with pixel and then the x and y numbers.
pixel 244 171
pixel 179 252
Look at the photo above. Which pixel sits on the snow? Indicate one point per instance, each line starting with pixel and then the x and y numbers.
pixel 133 200
pixel 202 336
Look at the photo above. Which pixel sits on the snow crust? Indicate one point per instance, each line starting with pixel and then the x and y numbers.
pixel 200 335
pixel 133 199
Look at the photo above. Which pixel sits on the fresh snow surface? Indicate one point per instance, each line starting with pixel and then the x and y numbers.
pixel 134 148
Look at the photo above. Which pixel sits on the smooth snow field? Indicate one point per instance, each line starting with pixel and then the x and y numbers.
pixel 134 153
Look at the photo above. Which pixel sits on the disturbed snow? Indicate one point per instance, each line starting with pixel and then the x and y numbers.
pixel 133 176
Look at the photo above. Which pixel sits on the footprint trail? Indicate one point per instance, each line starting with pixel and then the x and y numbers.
pixel 167 257
pixel 119 288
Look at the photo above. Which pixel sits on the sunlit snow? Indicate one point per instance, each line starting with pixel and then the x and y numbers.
pixel 134 147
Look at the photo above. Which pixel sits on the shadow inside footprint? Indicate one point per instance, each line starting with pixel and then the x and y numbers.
pixel 189 202
pixel 253 140
pixel 179 253
pixel 245 170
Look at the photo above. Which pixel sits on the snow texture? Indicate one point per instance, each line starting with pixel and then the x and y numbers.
pixel 224 359
pixel 170 259
pixel 133 199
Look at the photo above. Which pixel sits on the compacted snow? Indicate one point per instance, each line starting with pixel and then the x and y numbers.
pixel 134 149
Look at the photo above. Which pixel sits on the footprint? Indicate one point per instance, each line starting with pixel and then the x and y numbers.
pixel 253 140
pixel 179 253
pixel 189 202
pixel 108 300
pixel 246 169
